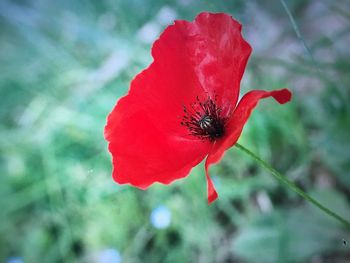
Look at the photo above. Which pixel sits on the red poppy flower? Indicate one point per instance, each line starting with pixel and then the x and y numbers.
pixel 183 107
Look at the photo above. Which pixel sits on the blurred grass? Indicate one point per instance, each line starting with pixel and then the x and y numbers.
pixel 63 66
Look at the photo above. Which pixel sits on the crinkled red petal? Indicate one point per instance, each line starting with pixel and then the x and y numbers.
pixel 236 123
pixel 212 51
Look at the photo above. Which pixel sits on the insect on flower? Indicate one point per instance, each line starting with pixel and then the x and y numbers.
pixel 183 107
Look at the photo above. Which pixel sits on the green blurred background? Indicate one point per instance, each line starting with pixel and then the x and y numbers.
pixel 64 64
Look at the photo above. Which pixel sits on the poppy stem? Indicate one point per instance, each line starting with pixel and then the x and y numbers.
pixel 293 186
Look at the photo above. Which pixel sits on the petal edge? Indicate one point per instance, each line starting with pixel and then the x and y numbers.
pixel 212 194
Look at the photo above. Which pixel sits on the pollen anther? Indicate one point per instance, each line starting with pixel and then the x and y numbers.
pixel 204 120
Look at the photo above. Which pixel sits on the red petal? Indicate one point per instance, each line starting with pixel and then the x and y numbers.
pixel 221 55
pixel 240 116
pixel 214 50
pixel 145 152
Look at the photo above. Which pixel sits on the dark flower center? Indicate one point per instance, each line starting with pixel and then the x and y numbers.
pixel 204 120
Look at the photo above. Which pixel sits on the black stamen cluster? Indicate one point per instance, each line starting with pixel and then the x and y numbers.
pixel 204 120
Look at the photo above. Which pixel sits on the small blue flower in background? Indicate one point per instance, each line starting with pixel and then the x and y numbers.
pixel 109 255
pixel 160 217
pixel 14 259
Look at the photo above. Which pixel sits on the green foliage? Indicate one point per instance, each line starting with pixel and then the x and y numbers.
pixel 64 64
pixel 281 237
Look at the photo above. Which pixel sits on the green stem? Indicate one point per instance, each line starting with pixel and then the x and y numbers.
pixel 292 186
